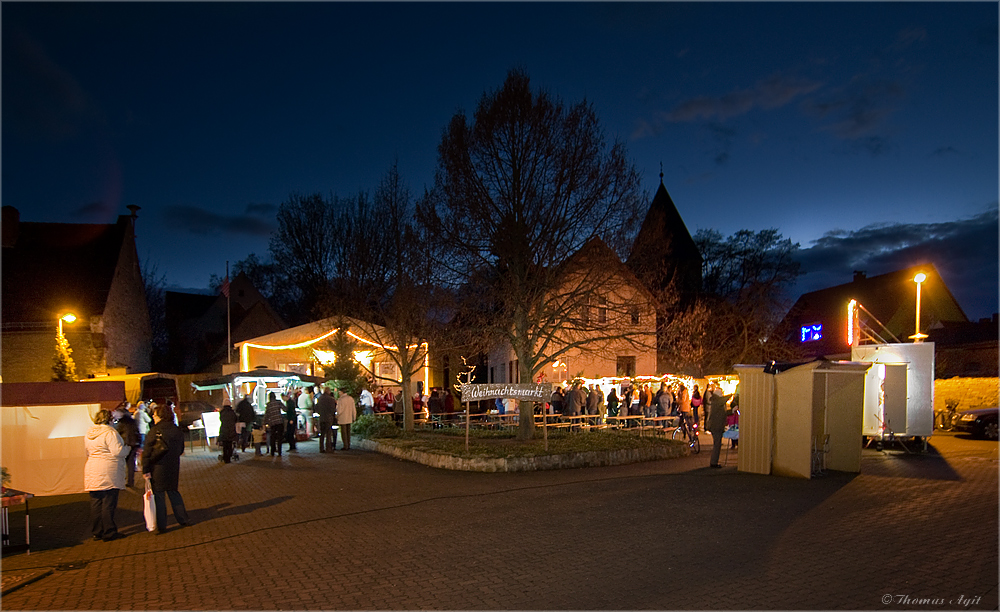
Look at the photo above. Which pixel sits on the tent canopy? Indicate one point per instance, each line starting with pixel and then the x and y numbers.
pixel 259 375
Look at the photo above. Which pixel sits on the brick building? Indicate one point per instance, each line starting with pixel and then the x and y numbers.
pixel 90 270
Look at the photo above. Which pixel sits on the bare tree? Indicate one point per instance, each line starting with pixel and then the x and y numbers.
pixel 734 319
pixel 520 190
pixel 382 279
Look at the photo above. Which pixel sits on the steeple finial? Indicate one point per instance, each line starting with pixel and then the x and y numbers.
pixel 661 173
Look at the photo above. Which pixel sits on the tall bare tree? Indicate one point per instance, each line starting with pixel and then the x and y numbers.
pixel 381 278
pixel 520 189
pixel 734 319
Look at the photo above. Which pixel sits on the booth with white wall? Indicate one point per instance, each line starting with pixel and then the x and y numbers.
pixel 801 420
pixel 899 390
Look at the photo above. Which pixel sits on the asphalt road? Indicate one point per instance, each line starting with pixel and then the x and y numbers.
pixel 359 530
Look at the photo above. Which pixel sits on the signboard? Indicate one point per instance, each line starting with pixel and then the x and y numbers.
pixel 539 392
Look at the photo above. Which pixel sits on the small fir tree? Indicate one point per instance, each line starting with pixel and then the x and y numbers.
pixel 345 369
pixel 64 369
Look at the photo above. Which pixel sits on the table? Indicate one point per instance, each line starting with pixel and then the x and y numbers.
pixel 13 497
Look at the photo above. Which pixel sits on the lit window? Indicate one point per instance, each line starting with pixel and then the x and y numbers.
pixel 812 332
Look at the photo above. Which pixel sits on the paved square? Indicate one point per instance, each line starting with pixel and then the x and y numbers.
pixel 359 530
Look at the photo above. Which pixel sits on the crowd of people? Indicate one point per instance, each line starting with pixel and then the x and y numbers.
pixel 112 446
pixel 150 434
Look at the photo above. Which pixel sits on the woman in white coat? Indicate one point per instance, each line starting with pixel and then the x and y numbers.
pixel 104 475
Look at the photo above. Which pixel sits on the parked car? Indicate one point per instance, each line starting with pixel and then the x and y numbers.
pixel 189 412
pixel 981 423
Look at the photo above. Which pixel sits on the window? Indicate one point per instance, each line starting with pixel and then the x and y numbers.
pixel 602 309
pixel 633 311
pixel 811 333
pixel 626 366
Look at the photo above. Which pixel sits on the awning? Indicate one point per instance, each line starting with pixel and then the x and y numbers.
pixel 259 375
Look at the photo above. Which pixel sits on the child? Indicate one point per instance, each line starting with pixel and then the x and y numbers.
pixel 259 438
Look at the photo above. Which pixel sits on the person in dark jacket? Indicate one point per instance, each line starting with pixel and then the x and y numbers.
pixel 292 419
pixel 274 419
pixel 717 424
pixel 326 407
pixel 246 415
pixel 164 471
pixel 128 429
pixel 227 432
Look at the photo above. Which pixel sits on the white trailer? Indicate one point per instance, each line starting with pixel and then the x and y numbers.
pixel 899 392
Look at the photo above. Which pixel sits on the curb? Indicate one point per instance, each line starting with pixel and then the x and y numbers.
pixel 525 464
pixel 14 580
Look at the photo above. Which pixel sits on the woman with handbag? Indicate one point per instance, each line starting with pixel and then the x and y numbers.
pixel 104 475
pixel 161 465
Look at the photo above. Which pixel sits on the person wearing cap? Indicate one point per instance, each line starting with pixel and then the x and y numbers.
pixel 143 420
pixel 346 413
pixel 104 475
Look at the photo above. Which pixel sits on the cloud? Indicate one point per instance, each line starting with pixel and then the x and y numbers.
pixel 944 151
pixel 770 93
pixel 195 220
pixel 963 251
pixel 261 209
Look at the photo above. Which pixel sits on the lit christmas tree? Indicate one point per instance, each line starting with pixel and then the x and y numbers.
pixel 63 369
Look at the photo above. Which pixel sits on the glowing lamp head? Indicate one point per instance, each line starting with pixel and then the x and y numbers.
pixel 69 317
pixel 919 278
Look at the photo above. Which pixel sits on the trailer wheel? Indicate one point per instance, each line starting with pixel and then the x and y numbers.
pixel 878 446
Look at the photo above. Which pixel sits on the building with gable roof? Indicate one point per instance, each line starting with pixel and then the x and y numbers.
pixel 90 270
pixel 197 326
pixel 818 320
pixel 666 260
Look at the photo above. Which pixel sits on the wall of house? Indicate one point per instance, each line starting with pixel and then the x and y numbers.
pixel 970 392
pixel 28 356
pixel 128 336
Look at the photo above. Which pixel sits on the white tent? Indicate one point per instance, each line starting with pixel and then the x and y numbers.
pixel 43 431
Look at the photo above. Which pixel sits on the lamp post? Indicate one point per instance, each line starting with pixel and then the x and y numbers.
pixel 918 337
pixel 69 317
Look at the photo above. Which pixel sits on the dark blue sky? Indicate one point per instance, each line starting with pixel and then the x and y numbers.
pixel 867 132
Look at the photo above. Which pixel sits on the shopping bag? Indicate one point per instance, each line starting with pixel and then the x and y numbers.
pixel 731 433
pixel 149 507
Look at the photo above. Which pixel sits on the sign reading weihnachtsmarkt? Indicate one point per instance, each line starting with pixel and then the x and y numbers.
pixel 532 392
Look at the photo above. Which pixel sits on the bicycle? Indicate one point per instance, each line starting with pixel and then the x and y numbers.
pixel 688 431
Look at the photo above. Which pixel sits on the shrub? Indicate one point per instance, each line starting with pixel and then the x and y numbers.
pixel 371 426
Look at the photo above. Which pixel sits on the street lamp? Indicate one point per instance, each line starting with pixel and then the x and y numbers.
pixel 69 317
pixel 918 337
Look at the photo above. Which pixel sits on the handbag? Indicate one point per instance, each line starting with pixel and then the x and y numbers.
pixel 158 450
pixel 149 507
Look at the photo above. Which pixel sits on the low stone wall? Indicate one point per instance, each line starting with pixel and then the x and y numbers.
pixel 970 392
pixel 525 464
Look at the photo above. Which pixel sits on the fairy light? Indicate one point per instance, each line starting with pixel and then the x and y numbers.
pixel 246 346
pixel 851 307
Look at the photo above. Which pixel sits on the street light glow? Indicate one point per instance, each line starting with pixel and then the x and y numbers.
pixel 919 278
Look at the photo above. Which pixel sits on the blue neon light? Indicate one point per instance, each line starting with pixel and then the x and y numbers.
pixel 812 332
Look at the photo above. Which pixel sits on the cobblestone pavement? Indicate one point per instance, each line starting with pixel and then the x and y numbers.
pixel 359 530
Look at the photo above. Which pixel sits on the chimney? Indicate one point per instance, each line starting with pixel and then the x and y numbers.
pixel 859 275
pixel 11 222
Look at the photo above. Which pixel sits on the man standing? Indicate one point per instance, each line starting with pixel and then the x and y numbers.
pixel 275 421
pixel 717 424
pixel 306 408
pixel 245 415
pixel 326 407
pixel 593 404
pixel 367 402
pixel 346 413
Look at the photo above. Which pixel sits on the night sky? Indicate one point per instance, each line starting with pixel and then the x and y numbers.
pixel 866 132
